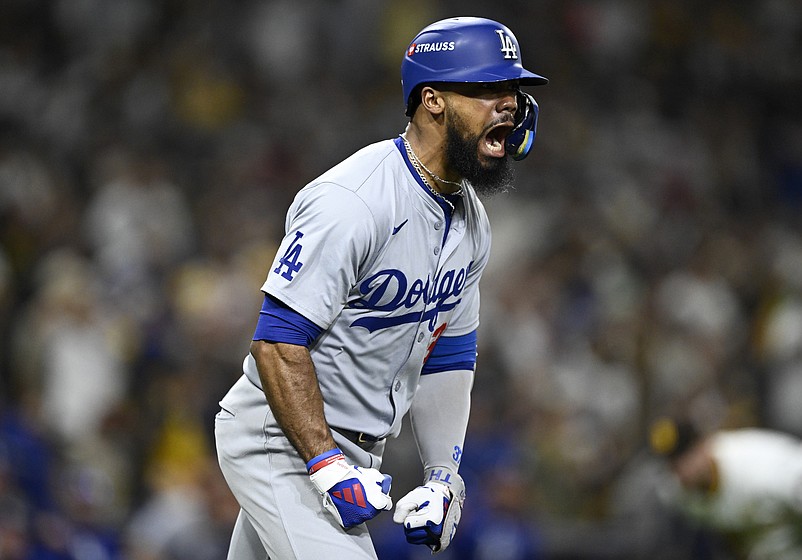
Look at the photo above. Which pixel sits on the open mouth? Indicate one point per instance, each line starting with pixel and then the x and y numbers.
pixel 494 139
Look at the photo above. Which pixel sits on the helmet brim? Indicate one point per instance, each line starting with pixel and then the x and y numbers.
pixel 531 79
pixel 489 75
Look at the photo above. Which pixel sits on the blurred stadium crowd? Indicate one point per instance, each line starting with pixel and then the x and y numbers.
pixel 648 262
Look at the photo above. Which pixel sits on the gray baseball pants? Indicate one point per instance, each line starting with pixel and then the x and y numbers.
pixel 281 512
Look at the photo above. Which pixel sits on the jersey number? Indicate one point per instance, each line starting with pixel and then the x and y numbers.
pixel 290 258
pixel 435 336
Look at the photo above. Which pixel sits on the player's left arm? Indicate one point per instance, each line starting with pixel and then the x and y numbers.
pixel 440 410
pixel 431 512
pixel 439 416
pixel 439 413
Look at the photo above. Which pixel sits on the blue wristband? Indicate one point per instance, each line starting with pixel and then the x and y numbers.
pixel 313 464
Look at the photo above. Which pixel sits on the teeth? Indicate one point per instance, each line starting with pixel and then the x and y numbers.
pixel 493 144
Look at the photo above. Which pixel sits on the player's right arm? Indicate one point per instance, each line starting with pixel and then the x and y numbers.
pixel 290 385
pixel 287 374
pixel 329 233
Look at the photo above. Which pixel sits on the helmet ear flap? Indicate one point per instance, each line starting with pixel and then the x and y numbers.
pixel 413 100
pixel 519 141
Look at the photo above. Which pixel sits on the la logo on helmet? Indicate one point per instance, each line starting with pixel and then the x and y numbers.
pixel 507 45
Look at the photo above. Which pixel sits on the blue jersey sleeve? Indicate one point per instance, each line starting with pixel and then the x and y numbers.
pixel 452 353
pixel 279 323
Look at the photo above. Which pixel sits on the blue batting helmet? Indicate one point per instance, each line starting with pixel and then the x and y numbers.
pixel 463 49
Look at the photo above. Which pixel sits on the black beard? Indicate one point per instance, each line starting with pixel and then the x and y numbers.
pixel 462 155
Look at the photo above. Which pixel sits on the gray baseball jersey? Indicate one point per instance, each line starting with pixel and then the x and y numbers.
pixel 367 257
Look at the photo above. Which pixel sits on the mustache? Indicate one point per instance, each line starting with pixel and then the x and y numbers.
pixel 506 119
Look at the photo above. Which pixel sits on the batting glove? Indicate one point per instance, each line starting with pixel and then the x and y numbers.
pixel 350 493
pixel 430 513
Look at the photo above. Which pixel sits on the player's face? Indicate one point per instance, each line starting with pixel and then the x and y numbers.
pixel 478 119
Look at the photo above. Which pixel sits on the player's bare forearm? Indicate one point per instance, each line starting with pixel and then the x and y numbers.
pixel 291 388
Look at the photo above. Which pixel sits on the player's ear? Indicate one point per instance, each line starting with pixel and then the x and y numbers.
pixel 432 100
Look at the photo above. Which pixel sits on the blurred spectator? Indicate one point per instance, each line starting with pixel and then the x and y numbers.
pixel 137 225
pixel 71 349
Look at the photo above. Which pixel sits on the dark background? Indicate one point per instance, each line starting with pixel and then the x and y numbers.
pixel 649 260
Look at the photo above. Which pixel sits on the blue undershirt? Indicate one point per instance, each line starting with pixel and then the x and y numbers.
pixel 278 323
pixel 452 353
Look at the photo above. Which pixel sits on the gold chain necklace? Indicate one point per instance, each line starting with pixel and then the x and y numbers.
pixel 420 168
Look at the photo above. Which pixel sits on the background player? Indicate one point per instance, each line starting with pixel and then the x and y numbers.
pixel 371 310
pixel 744 483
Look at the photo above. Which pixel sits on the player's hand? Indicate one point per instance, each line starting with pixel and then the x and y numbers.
pixel 350 493
pixel 430 513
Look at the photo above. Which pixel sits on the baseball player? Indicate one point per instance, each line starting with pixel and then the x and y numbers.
pixel 744 483
pixel 371 310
